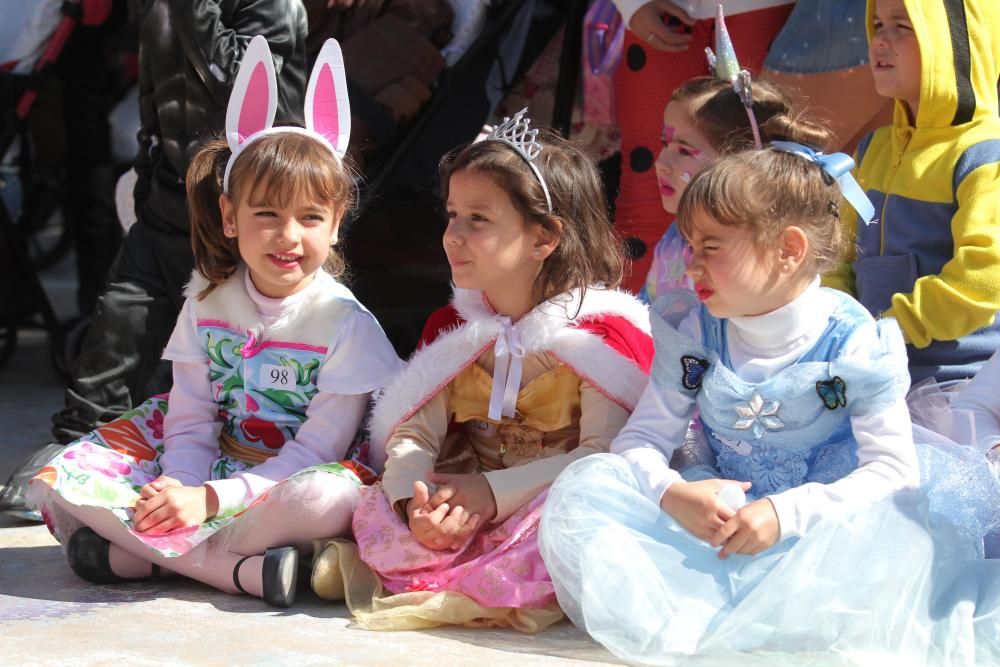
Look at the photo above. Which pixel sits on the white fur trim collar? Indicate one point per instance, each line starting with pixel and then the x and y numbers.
pixel 550 327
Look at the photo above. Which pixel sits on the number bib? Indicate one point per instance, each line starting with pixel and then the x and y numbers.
pixel 276 377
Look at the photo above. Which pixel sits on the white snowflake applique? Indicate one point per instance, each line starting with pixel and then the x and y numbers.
pixel 759 416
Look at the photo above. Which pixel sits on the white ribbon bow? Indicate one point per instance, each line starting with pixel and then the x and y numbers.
pixel 507 365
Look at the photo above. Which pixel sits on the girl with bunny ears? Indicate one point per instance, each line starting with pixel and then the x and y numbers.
pixel 232 476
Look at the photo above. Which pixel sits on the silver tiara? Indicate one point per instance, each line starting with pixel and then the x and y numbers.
pixel 517 133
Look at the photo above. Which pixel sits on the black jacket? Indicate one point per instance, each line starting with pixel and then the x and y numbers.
pixel 189 53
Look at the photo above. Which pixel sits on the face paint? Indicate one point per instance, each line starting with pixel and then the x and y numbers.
pixel 686 176
pixel 667 134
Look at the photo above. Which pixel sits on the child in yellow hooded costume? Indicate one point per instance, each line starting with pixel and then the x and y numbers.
pixel 933 259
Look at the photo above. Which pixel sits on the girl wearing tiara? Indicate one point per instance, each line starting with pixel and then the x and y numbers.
pixel 233 475
pixel 537 362
pixel 801 397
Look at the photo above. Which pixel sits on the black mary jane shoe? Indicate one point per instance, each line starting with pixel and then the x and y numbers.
pixel 87 553
pixel 279 576
pixel 88 556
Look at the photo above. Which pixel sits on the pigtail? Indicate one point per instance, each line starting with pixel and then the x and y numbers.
pixel 215 256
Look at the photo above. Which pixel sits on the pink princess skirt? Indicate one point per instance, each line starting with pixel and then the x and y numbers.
pixel 497 579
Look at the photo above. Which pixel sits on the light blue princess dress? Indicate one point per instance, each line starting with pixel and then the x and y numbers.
pixel 891 584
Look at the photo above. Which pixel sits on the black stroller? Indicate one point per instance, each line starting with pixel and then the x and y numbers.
pixel 27 243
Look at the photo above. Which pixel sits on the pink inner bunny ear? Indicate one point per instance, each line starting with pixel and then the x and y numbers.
pixel 325 119
pixel 328 109
pixel 253 112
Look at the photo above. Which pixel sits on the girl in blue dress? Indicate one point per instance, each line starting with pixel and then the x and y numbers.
pixel 803 533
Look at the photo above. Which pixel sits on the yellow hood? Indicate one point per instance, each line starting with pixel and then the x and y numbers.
pixel 960 60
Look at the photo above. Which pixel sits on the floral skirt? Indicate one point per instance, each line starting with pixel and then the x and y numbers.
pixel 107 467
pixel 497 579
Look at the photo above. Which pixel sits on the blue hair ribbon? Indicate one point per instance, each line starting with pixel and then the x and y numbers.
pixel 838 166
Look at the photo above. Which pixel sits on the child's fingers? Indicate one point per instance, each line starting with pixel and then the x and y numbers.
pixel 153 520
pixel 148 491
pixel 438 514
pixel 735 545
pixel 466 531
pixel 709 527
pixel 443 494
pixel 723 511
pixel 161 483
pixel 727 530
pixel 451 523
pixel 446 490
pixel 420 494
pixel 437 538
pixel 144 507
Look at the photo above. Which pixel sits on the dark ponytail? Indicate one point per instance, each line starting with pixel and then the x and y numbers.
pixel 215 256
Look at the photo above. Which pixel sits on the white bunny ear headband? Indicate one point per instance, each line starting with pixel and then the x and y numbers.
pixel 254 101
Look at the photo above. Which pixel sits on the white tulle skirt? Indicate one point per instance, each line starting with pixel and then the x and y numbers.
pixel 895 585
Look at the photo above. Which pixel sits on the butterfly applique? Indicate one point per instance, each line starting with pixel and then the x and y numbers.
pixel 833 392
pixel 694 371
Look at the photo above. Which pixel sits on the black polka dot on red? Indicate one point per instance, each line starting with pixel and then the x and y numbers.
pixel 640 159
pixel 635 57
pixel 634 248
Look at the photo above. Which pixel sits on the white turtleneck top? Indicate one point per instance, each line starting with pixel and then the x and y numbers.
pixel 759 347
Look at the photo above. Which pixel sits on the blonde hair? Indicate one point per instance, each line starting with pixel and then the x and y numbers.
pixel 284 165
pixel 769 190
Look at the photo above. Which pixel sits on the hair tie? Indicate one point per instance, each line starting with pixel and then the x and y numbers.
pixel 838 166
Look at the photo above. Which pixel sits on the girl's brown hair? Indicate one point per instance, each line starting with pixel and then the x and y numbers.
pixel 588 252
pixel 769 190
pixel 275 168
pixel 721 117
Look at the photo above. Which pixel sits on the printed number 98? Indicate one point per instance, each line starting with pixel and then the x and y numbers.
pixel 279 376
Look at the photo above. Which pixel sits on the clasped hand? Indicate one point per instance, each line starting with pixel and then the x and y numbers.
pixel 165 504
pixel 696 506
pixel 447 519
